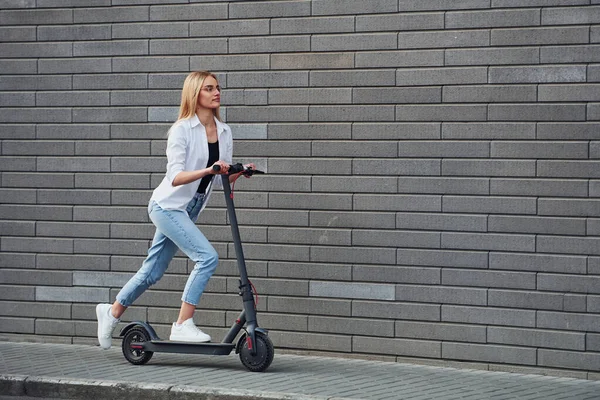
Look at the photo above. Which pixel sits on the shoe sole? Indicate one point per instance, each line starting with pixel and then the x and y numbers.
pixel 188 341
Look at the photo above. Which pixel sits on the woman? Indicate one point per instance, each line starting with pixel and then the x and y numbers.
pixel 196 142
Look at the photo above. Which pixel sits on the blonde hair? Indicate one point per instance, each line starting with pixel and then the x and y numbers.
pixel 190 93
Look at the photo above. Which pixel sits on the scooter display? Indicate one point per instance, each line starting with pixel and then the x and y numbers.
pixel 254 346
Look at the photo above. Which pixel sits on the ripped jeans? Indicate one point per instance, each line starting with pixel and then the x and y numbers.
pixel 174 229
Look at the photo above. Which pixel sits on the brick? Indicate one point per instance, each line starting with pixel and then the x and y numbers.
pixel 72 262
pixel 309 131
pixel 43 115
pixel 593 227
pixel 309 236
pixel 54 327
pixel 70 196
pixel 569 359
pixel 73 3
pixel 562 226
pixel 504 168
pixel 444 39
pixel 539 36
pixel 568 283
pixel 539 149
pixel 570 15
pixel 539 187
pixel 73 65
pixel 61 229
pixel 384 202
pixel 585 92
pixel 441 294
pixel 150 30
pixel 369 327
pixel 397 167
pixel 16 99
pixel 72 98
pixel 446 149
pixel 432 185
pixel 271 113
pixel 396 274
pixel 532 3
pixel 443 258
pixel 352 219
pixel 120 214
pixel 400 22
pixel 352 78
pixel 17 228
pixel 38 147
pixel 112 81
pixel 441 113
pixel 17 260
pixel 410 58
pixel 357 41
pixel 488 315
pixel 18 196
pixel 112 181
pixel 593 111
pixel 490 241
pixel 489 353
pixel 134 231
pixel 150 64
pixel 568 245
pixel 110 48
pixel 276 252
pixel 568 321
pixel 489 279
pixel 538 74
pixel 491 18
pixel 266 9
pixel 492 56
pixel 395 238
pixel 351 290
pixel 38 309
pixel 308 96
pixel 439 331
pixel 568 169
pixel 41 245
pixel 525 299
pixel 538 262
pixel 36 17
pixel 315 341
pixel 396 310
pixel 112 148
pixel 309 306
pixel 396 95
pixel 269 44
pixel 489 94
pixel 310 201
pixel 399 347
pixel 353 149
pixel 188 46
pixel 20 293
pixel 569 54
pixel 32 82
pixel 325 7
pixel 17 163
pixel 415 5
pixel 30 277
pixel 17 34
pixel 18 67
pixel 76 164
pixel 537 112
pixel 351 113
pixel 188 12
pixel 39 212
pixel 73 131
pixel 441 76
pixel 273 217
pixel 37 180
pixel 72 294
pixel 594 188
pixel 266 79
pixel 353 185
pixel 395 131
pixel 312 270
pixel 17 325
pixel 74 32
pixel 568 130
pixel 441 222
pixel 230 62
pixel 355 254
pixel 312 25
pixel 240 27
pixel 569 207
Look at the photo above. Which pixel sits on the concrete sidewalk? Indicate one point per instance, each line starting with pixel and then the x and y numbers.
pixel 80 371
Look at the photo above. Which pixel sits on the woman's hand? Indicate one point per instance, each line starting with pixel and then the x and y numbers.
pixel 223 170
pixel 252 166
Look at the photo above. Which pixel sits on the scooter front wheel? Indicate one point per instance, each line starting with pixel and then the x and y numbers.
pixel 264 353
pixel 132 346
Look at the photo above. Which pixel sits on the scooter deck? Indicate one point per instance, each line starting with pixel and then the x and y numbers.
pixel 167 346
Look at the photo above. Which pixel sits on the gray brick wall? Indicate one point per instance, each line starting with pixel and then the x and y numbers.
pixel 433 185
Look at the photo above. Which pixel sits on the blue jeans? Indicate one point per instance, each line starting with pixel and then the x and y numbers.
pixel 174 229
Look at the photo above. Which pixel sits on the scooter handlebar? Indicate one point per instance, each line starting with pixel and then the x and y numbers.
pixel 237 168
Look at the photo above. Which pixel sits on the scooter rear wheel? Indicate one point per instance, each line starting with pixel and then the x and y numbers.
pixel 264 353
pixel 132 346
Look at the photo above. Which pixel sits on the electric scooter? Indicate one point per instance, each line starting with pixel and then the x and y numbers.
pixel 254 346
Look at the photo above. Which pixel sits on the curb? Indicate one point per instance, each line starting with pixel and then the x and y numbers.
pixel 39 386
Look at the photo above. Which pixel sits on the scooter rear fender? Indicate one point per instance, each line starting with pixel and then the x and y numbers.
pixel 146 326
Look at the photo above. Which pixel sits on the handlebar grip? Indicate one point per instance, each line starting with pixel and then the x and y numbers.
pixel 216 167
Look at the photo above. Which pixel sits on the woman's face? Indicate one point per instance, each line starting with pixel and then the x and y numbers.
pixel 210 94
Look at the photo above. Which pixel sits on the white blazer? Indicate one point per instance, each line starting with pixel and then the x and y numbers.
pixel 187 150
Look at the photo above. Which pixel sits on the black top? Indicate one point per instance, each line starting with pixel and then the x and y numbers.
pixel 213 157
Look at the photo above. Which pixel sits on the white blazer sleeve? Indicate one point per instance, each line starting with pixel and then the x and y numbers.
pixel 176 152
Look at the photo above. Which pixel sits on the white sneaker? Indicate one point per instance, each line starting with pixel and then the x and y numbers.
pixel 188 332
pixel 106 325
